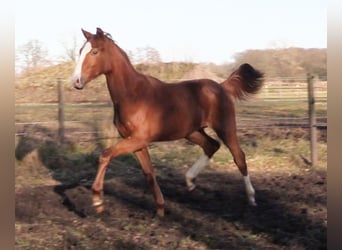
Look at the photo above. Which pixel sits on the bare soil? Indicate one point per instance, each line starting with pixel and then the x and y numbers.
pixel 56 212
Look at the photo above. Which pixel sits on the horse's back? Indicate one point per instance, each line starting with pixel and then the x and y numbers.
pixel 195 100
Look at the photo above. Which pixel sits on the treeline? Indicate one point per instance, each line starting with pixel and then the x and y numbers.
pixel 289 62
pixel 282 63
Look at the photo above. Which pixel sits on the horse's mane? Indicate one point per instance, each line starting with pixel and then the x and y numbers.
pixel 109 36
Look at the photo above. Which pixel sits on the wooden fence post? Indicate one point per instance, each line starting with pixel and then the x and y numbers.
pixel 60 111
pixel 312 120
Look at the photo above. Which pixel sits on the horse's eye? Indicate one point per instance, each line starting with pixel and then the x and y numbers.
pixel 94 52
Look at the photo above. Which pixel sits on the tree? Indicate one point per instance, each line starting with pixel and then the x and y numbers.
pixel 71 50
pixel 31 55
pixel 145 55
pixel 287 62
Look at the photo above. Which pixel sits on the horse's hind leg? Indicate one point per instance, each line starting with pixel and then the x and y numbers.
pixel 209 146
pixel 229 137
pixel 145 162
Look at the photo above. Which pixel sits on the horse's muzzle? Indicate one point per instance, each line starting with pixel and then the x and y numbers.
pixel 78 83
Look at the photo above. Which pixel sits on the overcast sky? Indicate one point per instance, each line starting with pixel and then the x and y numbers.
pixel 192 30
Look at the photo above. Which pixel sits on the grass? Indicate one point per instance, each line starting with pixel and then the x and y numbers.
pixel 166 71
pixel 280 109
pixel 65 165
pixel 269 153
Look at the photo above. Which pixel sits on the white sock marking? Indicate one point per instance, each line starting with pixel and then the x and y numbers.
pixel 250 190
pixel 198 166
pixel 78 69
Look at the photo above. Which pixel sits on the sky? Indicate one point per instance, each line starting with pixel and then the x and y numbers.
pixel 209 31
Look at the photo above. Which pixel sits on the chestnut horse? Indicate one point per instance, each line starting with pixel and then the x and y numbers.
pixel 148 110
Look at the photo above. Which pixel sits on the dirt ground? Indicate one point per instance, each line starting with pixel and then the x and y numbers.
pixel 55 214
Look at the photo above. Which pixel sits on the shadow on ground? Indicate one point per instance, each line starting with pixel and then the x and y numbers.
pixel 291 210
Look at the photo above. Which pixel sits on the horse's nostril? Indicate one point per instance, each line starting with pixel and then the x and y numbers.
pixel 77 83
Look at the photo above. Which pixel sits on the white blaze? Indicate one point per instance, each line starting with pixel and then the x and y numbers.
pixel 78 70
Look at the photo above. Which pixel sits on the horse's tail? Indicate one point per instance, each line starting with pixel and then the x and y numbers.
pixel 243 82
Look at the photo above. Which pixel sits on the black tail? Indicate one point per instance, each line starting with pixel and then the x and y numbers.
pixel 244 81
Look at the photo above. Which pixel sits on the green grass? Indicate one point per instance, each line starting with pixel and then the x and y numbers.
pixel 272 153
pixel 280 109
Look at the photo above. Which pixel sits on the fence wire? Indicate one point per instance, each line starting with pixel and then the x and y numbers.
pixel 275 91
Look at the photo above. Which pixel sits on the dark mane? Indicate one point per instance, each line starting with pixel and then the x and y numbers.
pixel 109 36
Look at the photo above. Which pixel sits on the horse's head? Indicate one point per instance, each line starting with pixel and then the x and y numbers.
pixel 93 59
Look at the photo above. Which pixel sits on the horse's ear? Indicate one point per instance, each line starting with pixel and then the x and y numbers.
pixel 86 34
pixel 99 33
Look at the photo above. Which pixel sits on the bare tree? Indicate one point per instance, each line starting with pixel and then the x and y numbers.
pixel 152 55
pixel 147 55
pixel 71 50
pixel 32 55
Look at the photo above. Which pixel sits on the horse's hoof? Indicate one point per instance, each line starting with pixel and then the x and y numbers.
pixel 98 204
pixel 99 209
pixel 191 187
pixel 253 203
pixel 189 183
pixel 160 212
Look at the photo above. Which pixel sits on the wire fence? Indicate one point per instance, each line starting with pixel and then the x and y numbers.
pixel 283 103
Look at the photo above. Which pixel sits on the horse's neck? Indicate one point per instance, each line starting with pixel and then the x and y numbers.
pixel 123 81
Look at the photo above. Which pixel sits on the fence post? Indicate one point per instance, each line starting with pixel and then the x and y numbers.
pixel 60 111
pixel 312 120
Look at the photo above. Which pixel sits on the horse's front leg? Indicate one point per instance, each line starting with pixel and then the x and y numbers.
pixel 146 165
pixel 121 148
